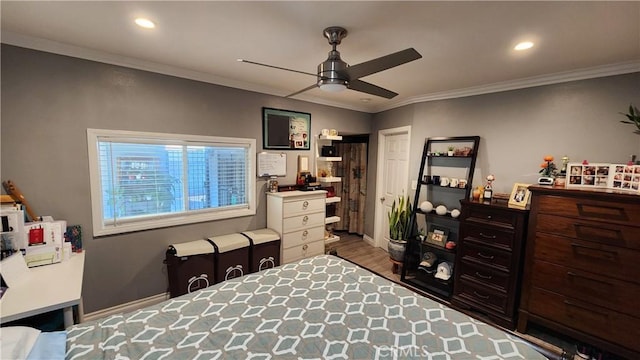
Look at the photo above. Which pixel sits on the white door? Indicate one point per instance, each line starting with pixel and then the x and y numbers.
pixel 392 177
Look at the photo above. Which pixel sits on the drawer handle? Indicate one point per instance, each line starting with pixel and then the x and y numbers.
pixel 480 295
pixel 588 309
pixel 488 236
pixel 305 219
pixel 487 277
pixel 305 233
pixel 608 254
pixel 488 257
pixel 488 217
pixel 572 274
pixel 305 247
pixel 305 204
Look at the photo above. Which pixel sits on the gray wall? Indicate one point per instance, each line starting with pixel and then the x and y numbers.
pixel 48 102
pixel 518 128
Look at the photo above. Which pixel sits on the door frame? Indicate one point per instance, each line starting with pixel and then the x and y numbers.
pixel 379 209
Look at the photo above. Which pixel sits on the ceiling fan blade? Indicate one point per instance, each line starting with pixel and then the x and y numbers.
pixel 365 87
pixel 275 67
pixel 382 63
pixel 303 90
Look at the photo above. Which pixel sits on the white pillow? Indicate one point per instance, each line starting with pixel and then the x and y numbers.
pixel 16 341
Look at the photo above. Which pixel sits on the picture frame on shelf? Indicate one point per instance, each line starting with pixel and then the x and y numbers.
pixel 437 235
pixel 520 195
pixel 285 129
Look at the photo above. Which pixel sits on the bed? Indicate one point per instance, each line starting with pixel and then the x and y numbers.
pixel 322 307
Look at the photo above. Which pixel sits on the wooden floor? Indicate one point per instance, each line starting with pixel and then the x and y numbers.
pixel 355 249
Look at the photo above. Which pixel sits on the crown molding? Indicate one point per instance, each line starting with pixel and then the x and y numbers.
pixel 548 79
pixel 45 45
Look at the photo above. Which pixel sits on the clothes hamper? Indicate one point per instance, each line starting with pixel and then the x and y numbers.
pixel 190 266
pixel 231 256
pixel 265 249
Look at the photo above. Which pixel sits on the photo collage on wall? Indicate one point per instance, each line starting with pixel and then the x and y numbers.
pixel 612 176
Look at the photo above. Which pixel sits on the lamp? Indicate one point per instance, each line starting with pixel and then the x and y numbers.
pixel 331 73
pixel 329 87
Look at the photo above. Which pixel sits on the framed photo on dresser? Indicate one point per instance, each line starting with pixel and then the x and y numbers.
pixel 520 195
pixel 608 176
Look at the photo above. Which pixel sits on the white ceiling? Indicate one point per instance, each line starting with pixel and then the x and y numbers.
pixel 466 46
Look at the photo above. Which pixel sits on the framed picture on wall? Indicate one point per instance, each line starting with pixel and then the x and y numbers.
pixel 285 129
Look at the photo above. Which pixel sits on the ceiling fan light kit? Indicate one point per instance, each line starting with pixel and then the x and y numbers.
pixel 332 87
pixel 335 75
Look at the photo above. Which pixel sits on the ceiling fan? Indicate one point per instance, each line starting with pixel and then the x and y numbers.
pixel 336 75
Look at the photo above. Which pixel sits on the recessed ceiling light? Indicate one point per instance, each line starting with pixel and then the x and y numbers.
pixel 523 45
pixel 145 23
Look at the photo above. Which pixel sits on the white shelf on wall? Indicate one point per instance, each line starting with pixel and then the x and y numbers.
pixel 333 199
pixel 328 179
pixel 332 239
pixel 329 158
pixel 330 137
pixel 326 165
pixel 331 219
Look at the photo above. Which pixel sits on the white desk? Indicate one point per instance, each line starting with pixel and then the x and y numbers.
pixel 46 288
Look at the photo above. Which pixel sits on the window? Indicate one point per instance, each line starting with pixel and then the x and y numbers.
pixel 145 180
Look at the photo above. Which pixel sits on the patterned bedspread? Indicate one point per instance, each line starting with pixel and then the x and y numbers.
pixel 318 308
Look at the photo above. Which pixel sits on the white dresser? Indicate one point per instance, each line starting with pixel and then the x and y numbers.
pixel 298 217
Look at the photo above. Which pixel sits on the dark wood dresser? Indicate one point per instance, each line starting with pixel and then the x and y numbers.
pixel 582 267
pixel 489 262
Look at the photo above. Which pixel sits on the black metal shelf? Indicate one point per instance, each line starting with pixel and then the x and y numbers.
pixel 438 248
pixel 411 271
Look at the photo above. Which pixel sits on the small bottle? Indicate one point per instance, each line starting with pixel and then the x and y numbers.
pixel 272 184
pixel 488 193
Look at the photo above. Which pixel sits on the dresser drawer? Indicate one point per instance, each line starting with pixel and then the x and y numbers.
pixel 484 274
pixel 482 253
pixel 606 233
pixel 614 261
pixel 302 237
pixel 492 216
pixel 298 252
pixel 488 235
pixel 597 289
pixel 604 323
pixel 298 207
pixel 587 209
pixel 302 222
pixel 480 294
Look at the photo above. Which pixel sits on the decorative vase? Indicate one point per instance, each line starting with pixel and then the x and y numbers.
pixel 396 249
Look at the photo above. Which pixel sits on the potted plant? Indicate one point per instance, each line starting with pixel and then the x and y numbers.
pixel 633 116
pixel 399 227
pixel 548 171
pixel 450 150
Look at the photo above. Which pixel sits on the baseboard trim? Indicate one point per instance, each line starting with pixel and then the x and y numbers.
pixel 126 307
pixel 369 240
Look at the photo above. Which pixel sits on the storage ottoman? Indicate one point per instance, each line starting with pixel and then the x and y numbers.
pixel 190 266
pixel 231 256
pixel 265 249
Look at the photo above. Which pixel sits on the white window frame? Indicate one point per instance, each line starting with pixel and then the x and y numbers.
pixel 189 217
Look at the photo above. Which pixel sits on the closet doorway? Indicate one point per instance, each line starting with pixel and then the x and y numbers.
pixel 353 189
